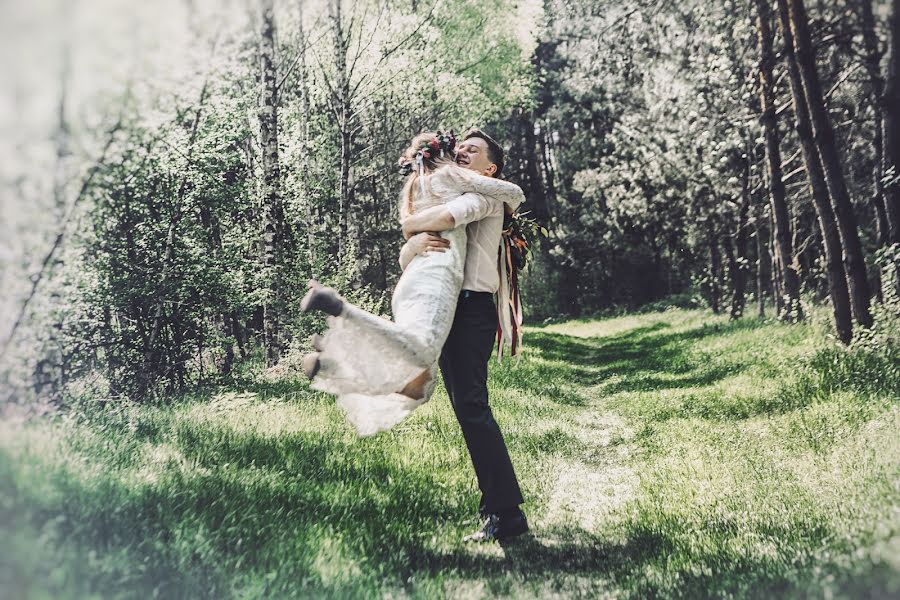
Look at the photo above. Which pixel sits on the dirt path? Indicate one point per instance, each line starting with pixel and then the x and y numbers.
pixel 591 486
pixel 561 555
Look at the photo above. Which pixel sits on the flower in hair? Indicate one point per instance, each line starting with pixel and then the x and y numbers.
pixel 442 143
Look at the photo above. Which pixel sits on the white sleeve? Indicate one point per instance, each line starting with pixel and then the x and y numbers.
pixel 505 191
pixel 468 208
pixel 456 179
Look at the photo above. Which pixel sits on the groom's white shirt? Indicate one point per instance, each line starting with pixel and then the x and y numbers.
pixel 483 217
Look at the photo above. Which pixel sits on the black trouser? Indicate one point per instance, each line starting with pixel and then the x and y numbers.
pixel 464 362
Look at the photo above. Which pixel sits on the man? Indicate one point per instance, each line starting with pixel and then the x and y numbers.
pixel 466 353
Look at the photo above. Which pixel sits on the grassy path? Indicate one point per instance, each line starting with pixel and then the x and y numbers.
pixel 670 454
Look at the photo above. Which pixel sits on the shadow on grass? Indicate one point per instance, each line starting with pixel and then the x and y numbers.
pixel 569 550
pixel 623 566
pixel 189 537
pixel 193 543
pixel 252 504
pixel 278 508
pixel 304 514
pixel 641 359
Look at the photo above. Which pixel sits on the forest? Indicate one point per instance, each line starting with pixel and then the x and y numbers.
pixel 734 155
pixel 712 176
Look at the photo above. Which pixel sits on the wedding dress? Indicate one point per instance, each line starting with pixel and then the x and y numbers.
pixel 365 359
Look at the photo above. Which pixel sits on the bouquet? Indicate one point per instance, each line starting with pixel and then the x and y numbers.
pixel 520 232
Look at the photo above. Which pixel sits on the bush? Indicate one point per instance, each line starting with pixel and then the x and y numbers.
pixel 871 365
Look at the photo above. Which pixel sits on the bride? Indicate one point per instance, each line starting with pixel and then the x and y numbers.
pixel 382 370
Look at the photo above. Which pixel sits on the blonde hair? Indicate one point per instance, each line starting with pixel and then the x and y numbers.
pixel 429 164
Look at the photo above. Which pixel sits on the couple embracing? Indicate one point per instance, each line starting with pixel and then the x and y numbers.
pixel 452 208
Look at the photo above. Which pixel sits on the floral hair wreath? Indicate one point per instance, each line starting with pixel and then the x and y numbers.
pixel 442 144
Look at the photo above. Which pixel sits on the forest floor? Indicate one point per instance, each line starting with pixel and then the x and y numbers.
pixel 669 454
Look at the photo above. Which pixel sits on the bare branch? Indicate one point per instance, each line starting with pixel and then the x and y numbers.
pixel 60 236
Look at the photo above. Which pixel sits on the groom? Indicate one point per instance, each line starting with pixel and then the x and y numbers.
pixel 465 356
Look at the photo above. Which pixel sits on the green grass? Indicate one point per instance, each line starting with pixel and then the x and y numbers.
pixel 671 454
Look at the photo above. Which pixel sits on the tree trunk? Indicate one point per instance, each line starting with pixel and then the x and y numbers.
pixel 823 134
pixel 733 268
pixel 715 266
pixel 535 192
pixel 891 126
pixel 831 241
pixel 341 106
pixel 63 150
pixel 549 174
pixel 47 373
pixel 311 217
pixel 780 214
pixel 214 241
pixel 271 184
pixel 777 283
pixel 764 260
pixel 873 66
pixel 738 265
pixel 112 362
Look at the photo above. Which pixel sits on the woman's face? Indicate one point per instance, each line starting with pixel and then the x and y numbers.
pixel 473 154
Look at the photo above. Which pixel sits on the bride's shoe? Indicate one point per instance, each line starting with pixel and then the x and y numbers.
pixel 311 364
pixel 322 298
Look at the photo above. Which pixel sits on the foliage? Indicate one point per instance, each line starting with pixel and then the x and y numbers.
pixel 650 151
pixel 639 148
pixel 163 287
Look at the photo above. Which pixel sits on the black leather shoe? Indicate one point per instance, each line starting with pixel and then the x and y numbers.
pixel 498 529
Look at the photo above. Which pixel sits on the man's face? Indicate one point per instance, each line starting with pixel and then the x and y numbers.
pixel 473 154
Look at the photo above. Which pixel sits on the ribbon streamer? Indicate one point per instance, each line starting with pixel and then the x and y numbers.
pixel 509 303
pixel 420 167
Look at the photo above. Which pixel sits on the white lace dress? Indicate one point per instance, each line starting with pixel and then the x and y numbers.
pixel 366 359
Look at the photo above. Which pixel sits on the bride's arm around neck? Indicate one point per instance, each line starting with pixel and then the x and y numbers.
pixel 453 178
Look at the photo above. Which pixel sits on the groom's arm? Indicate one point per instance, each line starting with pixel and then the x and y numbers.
pixel 436 218
pixel 460 211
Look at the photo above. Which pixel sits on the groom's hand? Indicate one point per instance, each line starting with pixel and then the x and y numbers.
pixel 428 241
pixel 421 243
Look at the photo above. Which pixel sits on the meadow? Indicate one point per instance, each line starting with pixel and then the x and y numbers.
pixel 670 454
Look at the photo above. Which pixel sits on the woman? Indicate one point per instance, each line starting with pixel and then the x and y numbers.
pixel 381 370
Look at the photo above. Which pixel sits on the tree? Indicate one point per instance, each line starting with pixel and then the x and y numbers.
pixel 341 105
pixel 831 241
pixel 780 214
pixel 737 252
pixel 891 123
pixel 873 66
pixel 854 262
pixel 272 211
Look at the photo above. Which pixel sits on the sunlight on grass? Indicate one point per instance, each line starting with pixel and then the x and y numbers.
pixel 585 497
pixel 612 326
pixel 244 412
